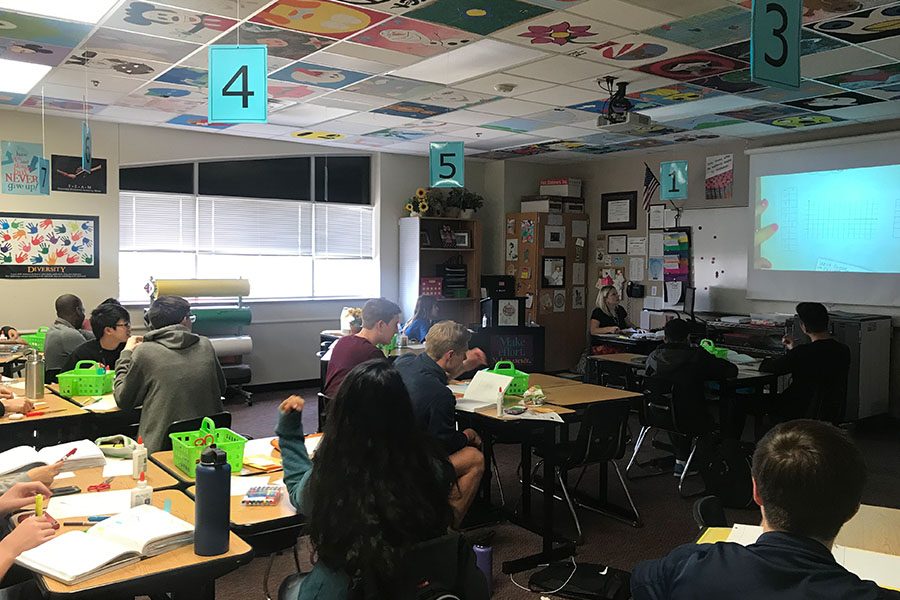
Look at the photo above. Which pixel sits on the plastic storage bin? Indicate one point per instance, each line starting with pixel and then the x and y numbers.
pixel 519 384
pixel 188 445
pixel 88 378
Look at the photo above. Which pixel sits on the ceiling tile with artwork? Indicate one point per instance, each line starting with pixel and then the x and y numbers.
pixel 319 17
pixel 560 32
pixel 481 17
pixel 693 66
pixel 414 37
pixel 707 30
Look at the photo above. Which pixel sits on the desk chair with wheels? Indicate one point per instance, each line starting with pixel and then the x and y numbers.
pixel 708 512
pixel 222 419
pixel 447 563
pixel 601 440
pixel 676 407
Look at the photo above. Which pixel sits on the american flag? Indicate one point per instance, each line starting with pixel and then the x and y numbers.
pixel 651 184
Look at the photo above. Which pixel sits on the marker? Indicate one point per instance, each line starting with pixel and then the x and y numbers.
pixel 77 524
pixel 39 505
pixel 38 413
pixel 97 518
pixel 167 505
pixel 68 454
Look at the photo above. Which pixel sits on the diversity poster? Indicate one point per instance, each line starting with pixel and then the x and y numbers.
pixel 719 176
pixel 69 176
pixel 40 246
pixel 20 168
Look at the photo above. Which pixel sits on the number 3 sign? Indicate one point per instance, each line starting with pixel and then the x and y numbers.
pixel 775 42
pixel 238 91
pixel 447 164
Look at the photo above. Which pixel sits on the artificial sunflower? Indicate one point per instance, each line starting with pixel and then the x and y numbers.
pixel 421 193
pixel 423 206
pixel 408 207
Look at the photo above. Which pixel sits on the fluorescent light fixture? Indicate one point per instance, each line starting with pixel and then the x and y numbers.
pixel 18 77
pixel 470 61
pixel 84 11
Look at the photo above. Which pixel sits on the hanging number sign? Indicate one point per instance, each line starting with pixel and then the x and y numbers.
pixel 237 84
pixel 775 42
pixel 673 180
pixel 447 165
pixel 43 176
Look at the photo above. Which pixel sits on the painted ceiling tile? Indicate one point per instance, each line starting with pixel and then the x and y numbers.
pixel 61 104
pixel 317 75
pixel 188 94
pixel 197 121
pixel 803 121
pixel 100 62
pixel 282 43
pixel 8 99
pixel 453 98
pixel 866 78
pixel 138 46
pixel 412 110
pixel 675 94
pixel 394 7
pixel 888 92
pixel 834 101
pixel 557 4
pixel 414 37
pixel 168 22
pixel 42 30
pixel 761 113
pixel 692 66
pixel 223 8
pixel 863 26
pixel 319 17
pixel 188 76
pixel 32 52
pixel 704 122
pixel 632 51
pixel 560 32
pixel 396 88
pixel 819 10
pixel 807 89
pixel 849 58
pixel 735 82
pixel 477 16
pixel 707 30
pixel 868 112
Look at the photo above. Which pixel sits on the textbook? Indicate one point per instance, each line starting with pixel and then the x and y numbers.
pixel 87 454
pixel 123 539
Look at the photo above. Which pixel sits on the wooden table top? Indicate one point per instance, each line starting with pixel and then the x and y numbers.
pixel 491 411
pixel 8 357
pixel 550 381
pixel 157 478
pixel 873 528
pixel 180 558
pixel 628 358
pixel 584 393
pixel 166 460
pixel 82 400
pixel 52 402
pixel 245 516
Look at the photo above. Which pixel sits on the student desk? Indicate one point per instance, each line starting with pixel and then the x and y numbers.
pixel 179 571
pixel 626 342
pixel 549 381
pixel 166 460
pixel 553 546
pixel 103 421
pixel 10 357
pixel 157 478
pixel 584 393
pixel 623 366
pixel 49 428
pixel 82 400
pixel 873 528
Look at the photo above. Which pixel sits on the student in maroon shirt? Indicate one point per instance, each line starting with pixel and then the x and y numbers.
pixel 380 319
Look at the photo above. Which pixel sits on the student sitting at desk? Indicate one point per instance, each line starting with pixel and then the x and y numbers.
pixel 819 370
pixel 64 335
pixel 607 317
pixel 425 313
pixel 111 326
pixel 10 335
pixel 380 318
pixel 173 373
pixel 32 532
pixel 378 487
pixel 46 473
pixel 677 361
pixel 426 375
pixel 808 479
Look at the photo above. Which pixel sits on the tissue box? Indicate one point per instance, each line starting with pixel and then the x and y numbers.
pixel 564 186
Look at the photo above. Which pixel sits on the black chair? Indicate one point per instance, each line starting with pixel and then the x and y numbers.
pixel 708 512
pixel 447 562
pixel 323 402
pixel 677 407
pixel 601 440
pixel 222 419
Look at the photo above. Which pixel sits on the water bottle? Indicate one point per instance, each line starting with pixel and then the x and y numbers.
pixel 34 376
pixel 484 560
pixel 212 507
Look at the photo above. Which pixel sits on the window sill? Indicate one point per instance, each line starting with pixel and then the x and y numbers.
pixel 233 300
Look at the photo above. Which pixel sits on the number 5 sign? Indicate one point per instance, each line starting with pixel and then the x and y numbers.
pixel 775 42
pixel 238 91
pixel 673 180
pixel 447 165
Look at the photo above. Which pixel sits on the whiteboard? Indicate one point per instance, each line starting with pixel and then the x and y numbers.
pixel 720 241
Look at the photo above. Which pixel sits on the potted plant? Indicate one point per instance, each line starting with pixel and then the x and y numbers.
pixel 467 202
pixel 418 204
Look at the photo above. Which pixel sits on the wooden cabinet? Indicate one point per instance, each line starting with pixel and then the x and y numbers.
pixel 429 244
pixel 547 254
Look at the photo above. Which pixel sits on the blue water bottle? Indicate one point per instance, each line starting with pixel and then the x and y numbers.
pixel 212 508
pixel 484 560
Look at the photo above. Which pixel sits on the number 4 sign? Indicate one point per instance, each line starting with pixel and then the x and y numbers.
pixel 238 90
pixel 775 42
pixel 447 164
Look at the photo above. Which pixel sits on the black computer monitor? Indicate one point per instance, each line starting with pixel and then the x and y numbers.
pixel 689 297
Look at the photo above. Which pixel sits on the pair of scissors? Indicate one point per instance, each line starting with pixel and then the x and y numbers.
pixel 101 487
pixel 206 440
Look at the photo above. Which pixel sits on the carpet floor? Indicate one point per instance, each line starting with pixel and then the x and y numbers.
pixel 667 517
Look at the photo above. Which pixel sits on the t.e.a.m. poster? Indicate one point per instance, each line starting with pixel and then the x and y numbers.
pixel 42 246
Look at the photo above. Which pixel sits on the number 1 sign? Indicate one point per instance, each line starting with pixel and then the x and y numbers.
pixel 775 42
pixel 673 180
pixel 237 84
pixel 447 164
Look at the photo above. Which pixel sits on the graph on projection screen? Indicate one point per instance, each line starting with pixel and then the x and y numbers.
pixel 845 220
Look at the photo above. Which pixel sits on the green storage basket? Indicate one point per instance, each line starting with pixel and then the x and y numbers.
pixel 519 384
pixel 85 380
pixel 710 347
pixel 36 340
pixel 189 445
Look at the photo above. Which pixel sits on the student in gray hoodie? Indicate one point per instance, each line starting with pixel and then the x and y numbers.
pixel 173 373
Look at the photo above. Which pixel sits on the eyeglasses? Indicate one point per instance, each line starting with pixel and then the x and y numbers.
pixel 125 325
pixel 192 317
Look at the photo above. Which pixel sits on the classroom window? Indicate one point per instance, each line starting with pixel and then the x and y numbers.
pixel 287 248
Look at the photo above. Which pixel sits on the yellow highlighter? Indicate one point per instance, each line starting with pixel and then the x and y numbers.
pixel 39 505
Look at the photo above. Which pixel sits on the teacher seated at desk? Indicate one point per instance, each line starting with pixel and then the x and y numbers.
pixel 609 317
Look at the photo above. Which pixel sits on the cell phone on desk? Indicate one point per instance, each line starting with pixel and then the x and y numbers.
pixel 66 491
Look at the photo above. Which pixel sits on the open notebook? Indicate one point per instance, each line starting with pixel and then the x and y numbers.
pixel 142 531
pixel 87 455
pixel 883 569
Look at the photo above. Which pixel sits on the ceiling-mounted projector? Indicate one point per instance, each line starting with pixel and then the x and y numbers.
pixel 617 115
pixel 628 122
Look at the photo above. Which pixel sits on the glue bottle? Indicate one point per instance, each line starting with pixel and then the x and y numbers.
pixel 139 459
pixel 142 494
pixel 499 401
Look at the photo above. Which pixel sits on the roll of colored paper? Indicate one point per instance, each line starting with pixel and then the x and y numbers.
pixel 195 288
pixel 222 316
pixel 233 345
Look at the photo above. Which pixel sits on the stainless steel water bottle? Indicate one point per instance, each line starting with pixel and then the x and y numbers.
pixel 34 376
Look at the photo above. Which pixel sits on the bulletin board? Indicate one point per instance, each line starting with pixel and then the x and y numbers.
pixel 42 246
pixel 677 264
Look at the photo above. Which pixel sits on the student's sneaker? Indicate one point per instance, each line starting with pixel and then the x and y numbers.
pixel 678 469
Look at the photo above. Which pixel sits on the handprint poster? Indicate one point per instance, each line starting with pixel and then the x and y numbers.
pixel 35 246
pixel 22 168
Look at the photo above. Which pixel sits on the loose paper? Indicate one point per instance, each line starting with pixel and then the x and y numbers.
pixel 485 387
pixel 577 298
pixel 655 268
pixel 86 505
pixel 637 245
pixel 657 217
pixel 242 485
pixel 577 273
pixel 618 211
pixel 636 269
pixel 118 468
pixel 579 229
pixel 653 302
pixel 512 249
pixel 656 244
pixel 670 220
